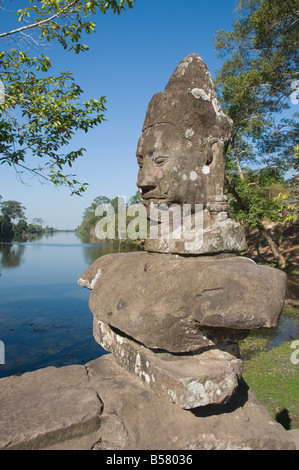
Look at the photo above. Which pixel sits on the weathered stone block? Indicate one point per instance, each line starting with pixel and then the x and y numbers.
pixel 189 381
pixel 152 422
pixel 182 304
pixel 218 234
pixel 47 406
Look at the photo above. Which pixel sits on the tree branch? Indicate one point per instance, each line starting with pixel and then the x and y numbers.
pixel 236 195
pixel 237 155
pixel 39 23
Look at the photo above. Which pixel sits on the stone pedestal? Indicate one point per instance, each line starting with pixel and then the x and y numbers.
pixel 152 422
pixel 217 233
pixel 102 406
pixel 174 321
pixel 210 377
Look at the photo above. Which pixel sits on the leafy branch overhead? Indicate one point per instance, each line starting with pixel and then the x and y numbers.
pixel 40 113
pixel 64 20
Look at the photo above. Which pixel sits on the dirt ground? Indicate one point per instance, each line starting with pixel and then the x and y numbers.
pixel 288 243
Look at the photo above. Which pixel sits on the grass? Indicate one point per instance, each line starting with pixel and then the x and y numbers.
pixel 272 375
pixel 275 381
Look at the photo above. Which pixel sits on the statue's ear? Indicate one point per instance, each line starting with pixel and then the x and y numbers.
pixel 209 153
pixel 212 150
pixel 217 149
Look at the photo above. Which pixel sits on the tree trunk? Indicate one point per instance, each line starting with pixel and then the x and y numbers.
pixel 275 250
pixel 265 234
pixel 236 151
pixel 235 194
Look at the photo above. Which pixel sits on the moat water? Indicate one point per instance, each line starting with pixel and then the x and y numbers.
pixel 44 315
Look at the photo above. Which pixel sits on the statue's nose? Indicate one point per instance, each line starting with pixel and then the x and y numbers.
pixel 146 175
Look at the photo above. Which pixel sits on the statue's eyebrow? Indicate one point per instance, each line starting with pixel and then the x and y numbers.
pixel 159 123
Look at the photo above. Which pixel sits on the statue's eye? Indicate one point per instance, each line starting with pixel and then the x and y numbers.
pixel 140 162
pixel 160 160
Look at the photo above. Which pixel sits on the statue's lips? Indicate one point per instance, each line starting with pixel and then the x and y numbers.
pixel 150 199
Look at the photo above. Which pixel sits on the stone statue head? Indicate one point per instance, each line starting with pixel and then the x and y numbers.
pixel 182 146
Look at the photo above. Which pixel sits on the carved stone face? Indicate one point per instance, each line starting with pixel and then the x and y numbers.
pixel 171 171
pixel 181 149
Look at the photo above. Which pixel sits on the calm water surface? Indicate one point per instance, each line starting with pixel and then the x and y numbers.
pixel 44 315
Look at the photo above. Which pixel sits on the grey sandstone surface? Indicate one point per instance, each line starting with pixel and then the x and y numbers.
pixel 102 406
pixel 184 133
pixel 183 304
pixel 47 406
pixel 186 380
pixel 181 157
pixel 218 234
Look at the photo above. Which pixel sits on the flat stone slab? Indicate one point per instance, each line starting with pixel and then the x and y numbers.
pixel 60 409
pixel 150 422
pixel 47 406
pixel 210 377
pixel 294 433
pixel 218 235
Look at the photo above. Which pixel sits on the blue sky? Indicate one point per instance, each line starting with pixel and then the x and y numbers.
pixel 130 58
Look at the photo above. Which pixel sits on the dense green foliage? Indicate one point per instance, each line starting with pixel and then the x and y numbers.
pixel 13 224
pixel 261 196
pixel 40 113
pixel 257 78
pixel 90 219
pixel 13 209
pixel 6 229
pixel 256 86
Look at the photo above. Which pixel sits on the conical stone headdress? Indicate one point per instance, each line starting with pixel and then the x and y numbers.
pixel 189 102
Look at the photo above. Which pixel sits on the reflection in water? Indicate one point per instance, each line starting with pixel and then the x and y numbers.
pixel 286 330
pixel 293 286
pixel 92 251
pixel 45 319
pixel 11 255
